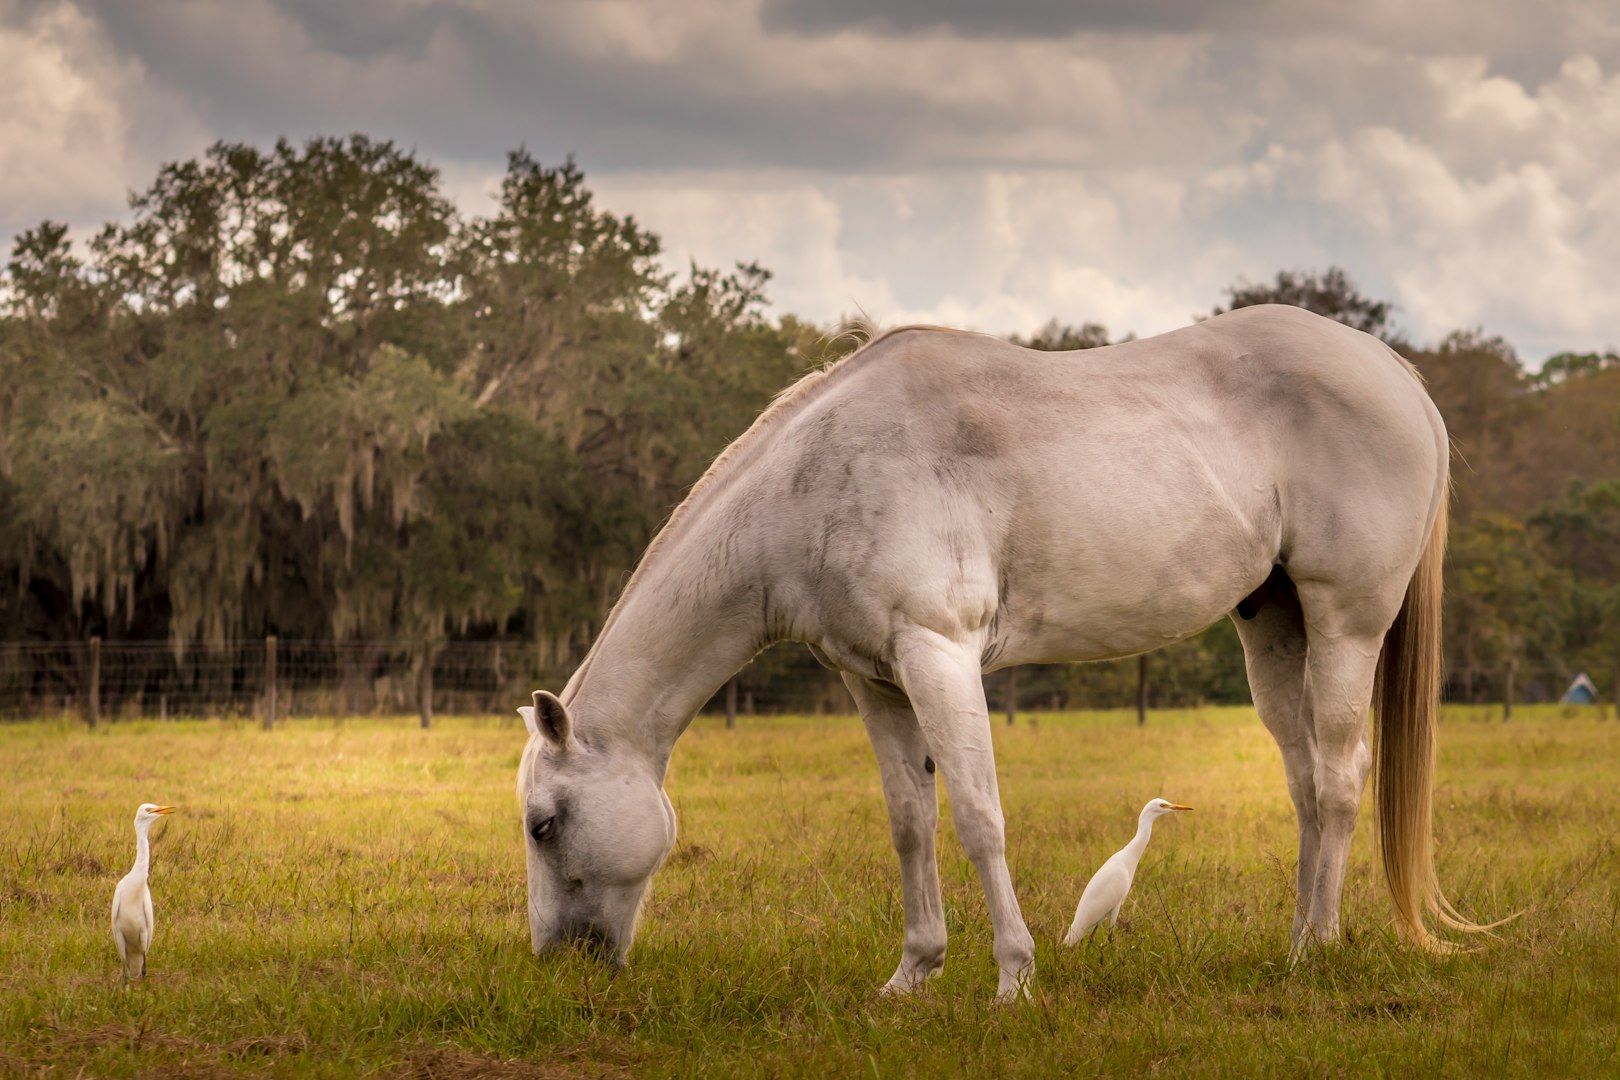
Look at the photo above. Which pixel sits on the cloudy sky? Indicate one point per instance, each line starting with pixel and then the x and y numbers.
pixel 983 164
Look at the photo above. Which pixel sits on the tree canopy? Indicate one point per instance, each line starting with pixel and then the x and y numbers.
pixel 1330 292
pixel 296 391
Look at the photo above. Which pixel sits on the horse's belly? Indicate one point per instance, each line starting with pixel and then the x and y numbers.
pixel 1104 631
pixel 1097 600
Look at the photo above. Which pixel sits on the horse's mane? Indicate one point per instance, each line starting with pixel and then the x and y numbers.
pixel 864 334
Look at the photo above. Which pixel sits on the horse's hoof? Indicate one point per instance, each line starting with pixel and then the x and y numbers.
pixel 1015 989
pixel 1018 995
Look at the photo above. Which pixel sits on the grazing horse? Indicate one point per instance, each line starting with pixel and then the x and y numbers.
pixel 940 504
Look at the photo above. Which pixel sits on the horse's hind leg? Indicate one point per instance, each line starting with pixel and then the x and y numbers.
pixel 1341 663
pixel 913 798
pixel 1274 650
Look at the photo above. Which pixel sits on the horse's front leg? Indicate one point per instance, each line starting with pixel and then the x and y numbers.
pixel 941 677
pixel 910 791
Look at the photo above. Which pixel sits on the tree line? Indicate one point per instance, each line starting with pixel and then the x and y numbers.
pixel 297 392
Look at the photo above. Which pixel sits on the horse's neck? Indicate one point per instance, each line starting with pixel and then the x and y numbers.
pixel 691 619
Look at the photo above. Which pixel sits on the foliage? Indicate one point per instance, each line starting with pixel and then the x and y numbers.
pixel 1582 530
pixel 1330 292
pixel 1063 337
pixel 1565 366
pixel 1507 600
pixel 296 393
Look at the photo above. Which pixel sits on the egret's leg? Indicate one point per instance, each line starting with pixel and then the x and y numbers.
pixel 941 677
pixel 1340 670
pixel 1274 650
pixel 913 798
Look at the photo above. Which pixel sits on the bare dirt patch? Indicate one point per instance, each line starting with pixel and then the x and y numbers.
pixel 443 1063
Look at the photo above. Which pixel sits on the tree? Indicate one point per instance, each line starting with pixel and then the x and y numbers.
pixel 1329 292
pixel 1479 387
pixel 296 393
pixel 1063 337
pixel 1565 366
pixel 1506 601
pixel 1582 532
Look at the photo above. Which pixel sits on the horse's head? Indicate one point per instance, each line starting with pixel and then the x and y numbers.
pixel 596 826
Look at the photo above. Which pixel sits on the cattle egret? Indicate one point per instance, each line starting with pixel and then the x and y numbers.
pixel 1106 890
pixel 132 900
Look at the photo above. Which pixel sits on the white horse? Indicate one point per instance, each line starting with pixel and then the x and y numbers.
pixel 941 504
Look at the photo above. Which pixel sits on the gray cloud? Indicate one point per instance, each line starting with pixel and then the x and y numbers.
pixel 1008 18
pixel 468 83
pixel 992 164
pixel 1524 36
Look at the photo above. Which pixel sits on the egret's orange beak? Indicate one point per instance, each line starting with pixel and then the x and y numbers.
pixel 164 810
pixel 1178 806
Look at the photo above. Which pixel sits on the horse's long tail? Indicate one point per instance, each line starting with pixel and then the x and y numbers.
pixel 1407 698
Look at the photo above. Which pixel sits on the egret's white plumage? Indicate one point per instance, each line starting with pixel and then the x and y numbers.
pixel 1106 890
pixel 132 900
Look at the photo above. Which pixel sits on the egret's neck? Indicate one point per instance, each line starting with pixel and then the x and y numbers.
pixel 143 849
pixel 1144 832
pixel 692 619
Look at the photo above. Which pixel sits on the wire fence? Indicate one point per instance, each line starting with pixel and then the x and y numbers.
pixel 274 679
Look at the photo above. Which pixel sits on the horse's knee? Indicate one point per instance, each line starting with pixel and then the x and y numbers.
pixel 983 834
pixel 1340 780
pixel 1337 804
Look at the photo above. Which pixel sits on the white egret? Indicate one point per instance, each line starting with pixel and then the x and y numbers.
pixel 1106 890
pixel 132 900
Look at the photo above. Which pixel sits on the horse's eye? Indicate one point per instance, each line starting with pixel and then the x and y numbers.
pixel 542 829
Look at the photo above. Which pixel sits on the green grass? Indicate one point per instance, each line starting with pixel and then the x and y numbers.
pixel 346 898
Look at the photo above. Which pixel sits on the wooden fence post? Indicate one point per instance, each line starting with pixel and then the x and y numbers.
pixel 425 687
pixel 270 682
pixel 1141 690
pixel 93 710
pixel 1012 695
pixel 1507 690
pixel 731 703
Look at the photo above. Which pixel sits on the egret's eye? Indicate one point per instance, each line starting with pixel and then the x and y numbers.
pixel 542 829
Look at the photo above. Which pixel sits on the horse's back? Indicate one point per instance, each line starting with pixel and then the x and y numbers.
pixel 1106 501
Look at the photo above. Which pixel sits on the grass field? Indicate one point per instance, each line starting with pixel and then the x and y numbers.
pixel 337 899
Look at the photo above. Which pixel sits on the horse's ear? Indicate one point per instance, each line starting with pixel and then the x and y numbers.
pixel 551 719
pixel 527 712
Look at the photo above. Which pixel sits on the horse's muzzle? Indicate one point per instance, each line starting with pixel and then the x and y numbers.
pixel 590 939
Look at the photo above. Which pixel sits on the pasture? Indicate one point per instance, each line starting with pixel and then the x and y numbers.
pixel 339 899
